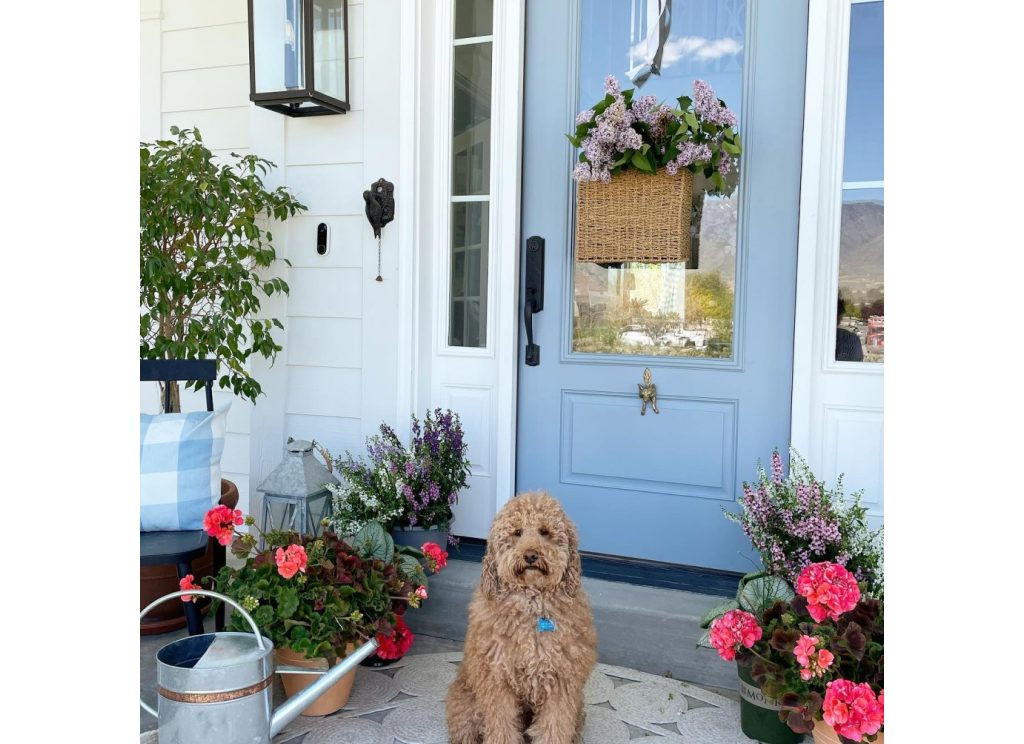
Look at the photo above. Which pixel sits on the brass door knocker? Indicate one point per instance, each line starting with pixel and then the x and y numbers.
pixel 648 393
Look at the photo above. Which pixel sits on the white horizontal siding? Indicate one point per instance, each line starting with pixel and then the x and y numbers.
pixel 209 46
pixel 325 293
pixel 323 391
pixel 325 139
pixel 179 14
pixel 336 433
pixel 208 88
pixel 222 129
pixel 325 342
pixel 199 77
pixel 328 189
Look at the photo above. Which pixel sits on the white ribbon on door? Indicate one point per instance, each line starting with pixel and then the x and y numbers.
pixel 659 23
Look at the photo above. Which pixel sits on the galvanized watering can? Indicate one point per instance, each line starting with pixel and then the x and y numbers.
pixel 217 686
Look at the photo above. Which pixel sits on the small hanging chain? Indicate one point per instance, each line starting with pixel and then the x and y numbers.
pixel 379 277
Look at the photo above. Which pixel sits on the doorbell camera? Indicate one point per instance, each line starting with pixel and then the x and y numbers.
pixel 321 239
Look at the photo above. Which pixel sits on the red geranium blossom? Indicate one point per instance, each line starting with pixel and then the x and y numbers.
pixel 290 561
pixel 436 558
pixel 186 583
pixel 396 645
pixel 220 523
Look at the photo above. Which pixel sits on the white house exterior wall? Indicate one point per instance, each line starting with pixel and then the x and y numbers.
pixel 358 352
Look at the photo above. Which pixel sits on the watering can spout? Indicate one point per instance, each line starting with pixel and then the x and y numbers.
pixel 288 712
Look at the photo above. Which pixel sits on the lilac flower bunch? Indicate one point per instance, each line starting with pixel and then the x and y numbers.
pixel 794 520
pixel 620 133
pixel 404 486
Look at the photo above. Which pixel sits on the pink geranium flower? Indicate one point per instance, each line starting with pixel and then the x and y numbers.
pixel 813 661
pixel 829 588
pixel 220 523
pixel 187 583
pixel 421 592
pixel 291 560
pixel 436 558
pixel 852 709
pixel 734 629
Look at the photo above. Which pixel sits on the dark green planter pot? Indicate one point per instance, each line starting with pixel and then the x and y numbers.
pixel 759 716
pixel 414 537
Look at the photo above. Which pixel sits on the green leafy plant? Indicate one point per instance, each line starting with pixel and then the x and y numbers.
pixel 756 592
pixel 204 245
pixel 316 596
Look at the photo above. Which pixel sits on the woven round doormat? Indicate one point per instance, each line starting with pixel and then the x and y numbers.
pixel 404 704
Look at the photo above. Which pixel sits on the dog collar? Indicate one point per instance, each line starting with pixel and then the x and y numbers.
pixel 545 624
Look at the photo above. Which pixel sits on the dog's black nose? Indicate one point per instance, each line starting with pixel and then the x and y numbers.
pixel 530 557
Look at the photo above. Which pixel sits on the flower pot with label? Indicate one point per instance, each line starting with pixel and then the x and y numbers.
pixel 759 714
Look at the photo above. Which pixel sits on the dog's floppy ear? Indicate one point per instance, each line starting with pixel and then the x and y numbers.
pixel 571 579
pixel 490 584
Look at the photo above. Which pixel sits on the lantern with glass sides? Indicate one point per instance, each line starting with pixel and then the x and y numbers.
pixel 298 56
pixel 295 495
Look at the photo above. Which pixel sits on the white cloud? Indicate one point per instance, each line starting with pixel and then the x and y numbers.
pixel 683 47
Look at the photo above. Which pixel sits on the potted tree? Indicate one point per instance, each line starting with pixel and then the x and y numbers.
pixel 204 247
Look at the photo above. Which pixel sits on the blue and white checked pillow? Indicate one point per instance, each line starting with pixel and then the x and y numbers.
pixel 179 468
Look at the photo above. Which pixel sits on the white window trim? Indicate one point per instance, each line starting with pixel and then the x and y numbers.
pixel 821 196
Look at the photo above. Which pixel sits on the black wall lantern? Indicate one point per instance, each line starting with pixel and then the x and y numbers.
pixel 298 56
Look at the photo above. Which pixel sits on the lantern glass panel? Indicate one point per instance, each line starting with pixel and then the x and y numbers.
pixel 277 40
pixel 329 53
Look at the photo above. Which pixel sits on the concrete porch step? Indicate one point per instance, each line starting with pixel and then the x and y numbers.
pixel 651 629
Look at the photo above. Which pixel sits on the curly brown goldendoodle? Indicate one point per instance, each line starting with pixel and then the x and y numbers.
pixel 531 642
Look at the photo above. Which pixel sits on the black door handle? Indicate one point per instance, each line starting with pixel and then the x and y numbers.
pixel 533 297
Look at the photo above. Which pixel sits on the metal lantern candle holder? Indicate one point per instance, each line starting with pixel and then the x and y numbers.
pixel 298 56
pixel 298 486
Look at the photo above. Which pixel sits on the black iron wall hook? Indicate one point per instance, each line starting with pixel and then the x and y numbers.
pixel 380 210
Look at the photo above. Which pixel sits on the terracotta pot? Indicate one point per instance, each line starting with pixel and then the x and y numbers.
pixel 330 701
pixel 825 734
pixel 157 581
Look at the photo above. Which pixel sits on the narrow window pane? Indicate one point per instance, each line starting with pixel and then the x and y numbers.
pixel 473 18
pixel 864 110
pixel 860 335
pixel 468 317
pixel 860 305
pixel 471 114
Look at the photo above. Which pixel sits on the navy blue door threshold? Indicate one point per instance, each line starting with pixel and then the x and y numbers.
pixel 631 571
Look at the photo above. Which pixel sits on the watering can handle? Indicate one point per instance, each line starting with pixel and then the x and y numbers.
pixel 201 593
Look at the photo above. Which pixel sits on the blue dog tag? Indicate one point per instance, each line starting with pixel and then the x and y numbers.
pixel 545 624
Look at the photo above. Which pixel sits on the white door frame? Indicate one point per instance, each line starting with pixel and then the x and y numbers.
pixel 830 398
pixel 479 383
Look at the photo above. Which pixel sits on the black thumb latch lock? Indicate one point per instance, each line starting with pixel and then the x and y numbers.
pixel 380 210
pixel 533 294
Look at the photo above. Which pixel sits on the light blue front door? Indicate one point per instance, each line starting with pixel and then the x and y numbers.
pixel 716 333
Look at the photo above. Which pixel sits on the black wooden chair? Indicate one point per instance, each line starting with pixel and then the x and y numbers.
pixel 181 548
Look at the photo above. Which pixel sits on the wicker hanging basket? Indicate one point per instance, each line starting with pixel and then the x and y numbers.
pixel 634 217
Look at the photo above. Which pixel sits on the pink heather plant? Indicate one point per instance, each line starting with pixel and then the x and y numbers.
pixel 830 590
pixel 620 133
pixel 794 521
pixel 732 630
